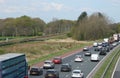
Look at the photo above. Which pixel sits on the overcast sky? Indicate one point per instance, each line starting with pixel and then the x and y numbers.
pixel 60 9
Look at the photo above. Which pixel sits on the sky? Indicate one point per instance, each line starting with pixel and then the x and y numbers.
pixel 47 10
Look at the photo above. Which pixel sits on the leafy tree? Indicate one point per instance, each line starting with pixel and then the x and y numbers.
pixel 93 27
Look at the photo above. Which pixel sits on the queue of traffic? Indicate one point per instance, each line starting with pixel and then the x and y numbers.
pixel 101 49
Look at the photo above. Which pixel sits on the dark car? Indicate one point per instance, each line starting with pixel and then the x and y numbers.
pixel 66 67
pixel 98 48
pixel 103 51
pixel 105 44
pixel 52 73
pixel 107 48
pixel 57 60
pixel 36 71
pixel 88 53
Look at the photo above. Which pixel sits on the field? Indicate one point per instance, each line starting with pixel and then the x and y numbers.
pixel 39 49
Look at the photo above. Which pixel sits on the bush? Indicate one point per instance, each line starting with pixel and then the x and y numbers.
pixel 69 34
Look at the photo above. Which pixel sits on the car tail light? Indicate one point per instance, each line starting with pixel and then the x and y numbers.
pixel 25 76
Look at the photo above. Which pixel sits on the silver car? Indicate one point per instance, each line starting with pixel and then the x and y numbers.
pixel 77 74
pixel 48 64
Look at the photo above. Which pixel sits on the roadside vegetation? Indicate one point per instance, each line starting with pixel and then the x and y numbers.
pixel 109 72
pixel 41 50
pixel 92 27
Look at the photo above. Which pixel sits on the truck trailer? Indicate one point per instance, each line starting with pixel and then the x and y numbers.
pixel 13 65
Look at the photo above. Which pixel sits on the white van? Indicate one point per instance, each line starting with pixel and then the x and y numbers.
pixel 95 57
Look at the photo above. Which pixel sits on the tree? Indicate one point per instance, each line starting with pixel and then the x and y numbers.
pixel 93 27
pixel 82 16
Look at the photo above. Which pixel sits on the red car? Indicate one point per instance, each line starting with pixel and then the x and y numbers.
pixel 57 60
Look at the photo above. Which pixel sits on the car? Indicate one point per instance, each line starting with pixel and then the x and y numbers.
pixel 107 48
pixel 88 53
pixel 77 74
pixel 66 67
pixel 52 73
pixel 105 44
pixel 86 49
pixel 78 58
pixel 98 48
pixel 111 46
pixel 36 71
pixel 57 60
pixel 95 44
pixel 103 51
pixel 95 57
pixel 114 44
pixel 48 64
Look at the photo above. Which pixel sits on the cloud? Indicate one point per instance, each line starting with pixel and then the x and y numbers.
pixel 31 7
pixel 2 1
pixel 16 9
pixel 87 9
pixel 52 6
pixel 115 2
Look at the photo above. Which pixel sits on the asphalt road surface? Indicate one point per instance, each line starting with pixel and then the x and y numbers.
pixel 86 66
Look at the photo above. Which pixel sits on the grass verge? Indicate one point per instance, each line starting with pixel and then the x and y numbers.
pixel 55 54
pixel 106 62
pixel 111 68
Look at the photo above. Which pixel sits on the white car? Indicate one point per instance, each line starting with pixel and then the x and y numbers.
pixel 78 58
pixel 48 64
pixel 95 44
pixel 114 44
pixel 77 74
pixel 95 57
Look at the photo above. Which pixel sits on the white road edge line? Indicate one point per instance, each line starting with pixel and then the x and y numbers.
pixel 115 67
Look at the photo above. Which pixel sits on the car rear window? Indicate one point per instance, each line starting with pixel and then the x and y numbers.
pixel 34 69
pixel 56 58
pixel 47 62
pixel 50 71
pixel 76 72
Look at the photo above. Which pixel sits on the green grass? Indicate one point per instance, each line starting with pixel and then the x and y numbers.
pixel 106 62
pixel 111 68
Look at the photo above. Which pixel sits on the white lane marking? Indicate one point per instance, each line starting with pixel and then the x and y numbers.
pixel 81 64
pixel 66 75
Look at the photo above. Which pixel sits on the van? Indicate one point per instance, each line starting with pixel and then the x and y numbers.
pixel 95 57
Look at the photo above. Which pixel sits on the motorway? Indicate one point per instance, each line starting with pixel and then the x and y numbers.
pixel 86 66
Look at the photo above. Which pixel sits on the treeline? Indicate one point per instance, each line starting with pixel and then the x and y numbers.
pixel 95 26
pixel 86 27
pixel 27 26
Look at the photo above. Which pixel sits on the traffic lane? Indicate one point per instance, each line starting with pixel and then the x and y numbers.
pixel 57 66
pixel 86 66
